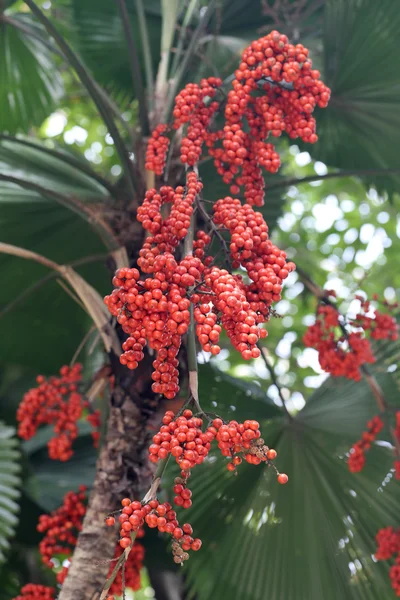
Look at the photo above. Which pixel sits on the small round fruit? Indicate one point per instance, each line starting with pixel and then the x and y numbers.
pixel 283 478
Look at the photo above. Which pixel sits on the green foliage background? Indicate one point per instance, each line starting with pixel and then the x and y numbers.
pixel 314 538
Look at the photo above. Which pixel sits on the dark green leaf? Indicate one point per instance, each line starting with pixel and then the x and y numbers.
pixel 9 484
pixel 359 127
pixel 30 85
pixel 46 326
pixel 313 538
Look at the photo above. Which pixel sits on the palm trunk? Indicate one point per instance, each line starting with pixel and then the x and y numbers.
pixel 122 470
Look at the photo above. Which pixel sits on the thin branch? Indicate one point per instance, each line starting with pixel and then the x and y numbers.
pixel 182 34
pixel 71 294
pixel 29 255
pixel 151 494
pixel 78 207
pixel 135 68
pixel 38 284
pixel 93 90
pixel 274 379
pixel 310 178
pixel 82 343
pixel 190 51
pixel 148 66
pixel 215 231
pixel 64 157
pixel 90 298
pixel 374 387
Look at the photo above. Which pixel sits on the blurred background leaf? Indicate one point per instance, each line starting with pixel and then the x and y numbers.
pixel 30 83
pixel 9 487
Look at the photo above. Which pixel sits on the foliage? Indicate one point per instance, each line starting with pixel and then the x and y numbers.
pixel 9 484
pixel 315 537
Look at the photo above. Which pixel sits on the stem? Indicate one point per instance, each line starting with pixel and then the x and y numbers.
pixel 182 33
pixel 191 335
pixel 150 495
pixel 146 52
pixel 169 11
pixel 135 68
pixel 93 90
pixel 309 178
pixel 374 387
pixel 35 286
pixel 274 379
pixel 90 298
pixel 80 208
pixel 215 231
pixel 190 51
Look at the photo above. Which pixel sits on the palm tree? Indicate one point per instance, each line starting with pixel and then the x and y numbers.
pixel 66 224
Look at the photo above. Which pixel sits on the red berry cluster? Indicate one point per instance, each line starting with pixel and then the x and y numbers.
pixel 388 541
pixel 157 149
pixel 356 460
pixel 156 515
pixel 183 438
pixel 342 347
pixel 382 326
pixel 32 591
pixel 192 106
pixel 62 527
pixel 155 310
pixel 61 530
pixel 133 566
pixel 56 401
pixel 292 89
pixel 396 434
pixel 237 440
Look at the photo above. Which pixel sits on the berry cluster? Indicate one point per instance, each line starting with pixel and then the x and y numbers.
pixel 356 460
pixel 154 310
pixel 133 567
pixel 396 433
pixel 388 542
pixel 291 90
pixel 156 515
pixel 237 440
pixel 342 347
pixel 382 326
pixel 32 591
pixel 56 401
pixel 61 529
pixel 184 439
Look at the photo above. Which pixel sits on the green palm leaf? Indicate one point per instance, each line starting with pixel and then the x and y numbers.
pixel 30 85
pixel 313 538
pixel 9 483
pixel 38 223
pixel 359 127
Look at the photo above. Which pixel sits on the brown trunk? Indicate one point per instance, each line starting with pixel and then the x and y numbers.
pixel 122 469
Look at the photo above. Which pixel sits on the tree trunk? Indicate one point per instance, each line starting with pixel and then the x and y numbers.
pixel 122 470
